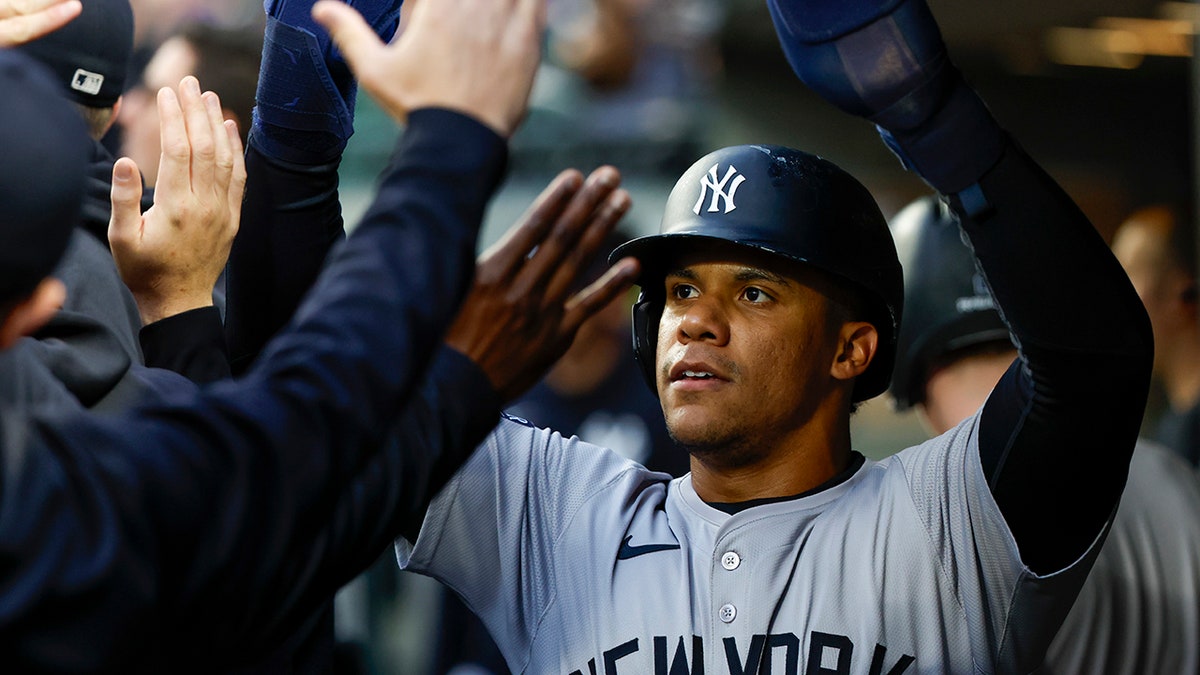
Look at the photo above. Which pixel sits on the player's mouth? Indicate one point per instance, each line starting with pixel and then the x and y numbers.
pixel 695 376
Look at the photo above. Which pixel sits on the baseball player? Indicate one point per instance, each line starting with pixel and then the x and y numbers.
pixel 770 305
pixel 1139 610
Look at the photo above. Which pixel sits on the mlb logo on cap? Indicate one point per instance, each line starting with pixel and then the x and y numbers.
pixel 87 81
pixel 90 55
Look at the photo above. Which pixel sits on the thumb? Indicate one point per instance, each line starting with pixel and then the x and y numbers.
pixel 126 195
pixel 350 32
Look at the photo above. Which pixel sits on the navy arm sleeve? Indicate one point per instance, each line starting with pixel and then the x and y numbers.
pixel 1057 433
pixel 291 218
pixel 177 530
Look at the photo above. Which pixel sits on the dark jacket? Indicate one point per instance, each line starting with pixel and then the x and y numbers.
pixel 176 535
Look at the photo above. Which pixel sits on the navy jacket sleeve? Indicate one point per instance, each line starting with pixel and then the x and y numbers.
pixel 183 529
pixel 190 343
pixel 1058 431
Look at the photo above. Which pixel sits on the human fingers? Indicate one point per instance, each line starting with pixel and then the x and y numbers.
pixel 174 164
pixel 601 222
pixel 124 225
pixel 22 21
pixel 237 181
pixel 586 303
pixel 501 259
pixel 547 263
pixel 199 136
pixel 223 148
pixel 359 45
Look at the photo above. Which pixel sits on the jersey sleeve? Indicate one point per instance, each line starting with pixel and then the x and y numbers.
pixel 193 529
pixel 1011 612
pixel 491 534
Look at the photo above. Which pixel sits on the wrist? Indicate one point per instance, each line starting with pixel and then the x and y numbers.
pixel 154 306
pixel 954 146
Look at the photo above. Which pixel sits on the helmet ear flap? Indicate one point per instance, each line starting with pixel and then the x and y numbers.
pixel 646 314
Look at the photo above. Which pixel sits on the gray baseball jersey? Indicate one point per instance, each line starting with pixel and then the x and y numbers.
pixel 579 561
pixel 1139 610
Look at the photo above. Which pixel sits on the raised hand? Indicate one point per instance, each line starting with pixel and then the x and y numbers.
pixel 520 315
pixel 23 21
pixel 885 60
pixel 474 56
pixel 171 256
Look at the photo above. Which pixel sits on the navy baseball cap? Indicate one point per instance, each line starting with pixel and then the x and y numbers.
pixel 46 148
pixel 90 55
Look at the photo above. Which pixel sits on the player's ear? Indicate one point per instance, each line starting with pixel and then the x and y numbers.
pixel 856 345
pixel 27 315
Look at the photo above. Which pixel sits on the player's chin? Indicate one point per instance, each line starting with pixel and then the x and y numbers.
pixel 699 431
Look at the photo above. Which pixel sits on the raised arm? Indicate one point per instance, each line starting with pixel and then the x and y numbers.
pixel 183 517
pixel 292 216
pixel 1057 433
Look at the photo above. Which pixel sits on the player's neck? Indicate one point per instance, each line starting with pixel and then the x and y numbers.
pixel 794 465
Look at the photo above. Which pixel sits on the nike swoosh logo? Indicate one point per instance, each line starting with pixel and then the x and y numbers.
pixel 627 551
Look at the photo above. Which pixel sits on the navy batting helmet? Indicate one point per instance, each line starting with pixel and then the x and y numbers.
pixel 787 203
pixel 948 305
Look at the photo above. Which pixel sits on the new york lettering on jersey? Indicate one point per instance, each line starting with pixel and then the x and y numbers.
pixel 826 654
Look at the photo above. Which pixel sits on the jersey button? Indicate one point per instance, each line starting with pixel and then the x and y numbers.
pixel 731 560
pixel 727 613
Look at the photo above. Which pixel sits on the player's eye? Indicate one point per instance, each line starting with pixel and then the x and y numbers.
pixel 683 291
pixel 756 295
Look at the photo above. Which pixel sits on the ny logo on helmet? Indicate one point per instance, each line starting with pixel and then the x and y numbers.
pixel 732 178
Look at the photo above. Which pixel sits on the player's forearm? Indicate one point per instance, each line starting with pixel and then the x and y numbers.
pixel 1082 380
pixel 291 218
pixel 1055 279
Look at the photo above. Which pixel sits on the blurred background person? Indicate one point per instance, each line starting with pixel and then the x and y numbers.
pixel 224 59
pixel 90 58
pixel 1157 247
pixel 1139 610
pixel 631 79
pixel 158 20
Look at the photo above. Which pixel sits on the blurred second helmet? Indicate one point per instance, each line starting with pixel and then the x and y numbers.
pixel 948 305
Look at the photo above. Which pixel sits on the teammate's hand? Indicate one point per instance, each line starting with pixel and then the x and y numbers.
pixel 171 256
pixel 474 56
pixel 23 21
pixel 520 316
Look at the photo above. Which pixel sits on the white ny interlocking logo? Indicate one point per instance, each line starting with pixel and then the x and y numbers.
pixel 718 189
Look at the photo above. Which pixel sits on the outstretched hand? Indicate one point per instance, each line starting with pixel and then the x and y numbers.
pixel 23 21
pixel 171 256
pixel 474 56
pixel 520 315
